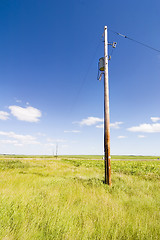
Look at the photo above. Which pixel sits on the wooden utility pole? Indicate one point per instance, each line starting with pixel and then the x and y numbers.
pixel 106 114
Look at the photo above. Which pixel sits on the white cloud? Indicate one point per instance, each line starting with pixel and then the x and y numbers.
pixel 28 114
pixel 141 136
pixel 50 140
pixel 155 119
pixel 50 144
pixel 112 125
pixel 65 146
pixel 90 121
pixel 18 101
pixel 100 125
pixel 94 120
pixel 72 131
pixel 4 115
pixel 8 141
pixel 148 128
pixel 59 140
pixel 41 134
pixel 121 137
pixel 21 139
pixel 18 144
pixel 116 125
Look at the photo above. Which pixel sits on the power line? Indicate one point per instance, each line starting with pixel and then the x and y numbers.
pixel 143 44
pixel 84 79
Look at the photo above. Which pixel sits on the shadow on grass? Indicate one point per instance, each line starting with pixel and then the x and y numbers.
pixel 4 165
pixel 37 174
pixel 96 182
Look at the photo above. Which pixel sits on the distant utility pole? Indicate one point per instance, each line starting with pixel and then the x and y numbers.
pixel 56 150
pixel 103 67
pixel 107 159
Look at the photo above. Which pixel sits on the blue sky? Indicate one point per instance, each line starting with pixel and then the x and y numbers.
pixel 50 95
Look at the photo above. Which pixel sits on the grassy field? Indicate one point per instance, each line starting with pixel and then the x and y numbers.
pixel 65 198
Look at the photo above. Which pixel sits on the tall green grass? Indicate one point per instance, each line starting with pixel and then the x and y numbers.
pixel 65 198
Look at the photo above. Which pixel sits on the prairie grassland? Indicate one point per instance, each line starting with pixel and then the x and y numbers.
pixel 65 198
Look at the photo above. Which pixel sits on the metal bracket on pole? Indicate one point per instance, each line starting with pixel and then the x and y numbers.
pixel 114 44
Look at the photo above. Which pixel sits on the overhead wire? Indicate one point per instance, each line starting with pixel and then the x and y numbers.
pixel 131 39
pixel 111 52
pixel 90 64
pixel 86 74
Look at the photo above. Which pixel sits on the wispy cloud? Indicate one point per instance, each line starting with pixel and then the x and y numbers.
pixel 21 139
pixel 18 101
pixel 115 125
pixel 65 146
pixel 9 141
pixel 90 121
pixel 41 134
pixel 121 137
pixel 141 136
pixel 155 119
pixel 4 115
pixel 28 114
pixel 50 140
pixel 100 125
pixel 18 144
pixel 95 120
pixel 50 144
pixel 71 131
pixel 148 128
